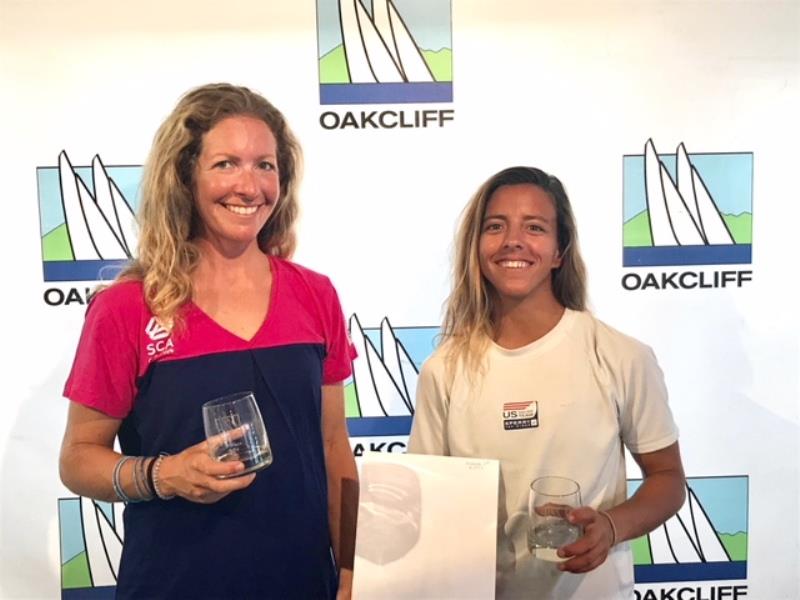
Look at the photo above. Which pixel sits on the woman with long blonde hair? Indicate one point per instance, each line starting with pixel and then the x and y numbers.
pixel 212 306
pixel 525 374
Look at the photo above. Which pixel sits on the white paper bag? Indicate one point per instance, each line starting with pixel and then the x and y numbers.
pixel 427 527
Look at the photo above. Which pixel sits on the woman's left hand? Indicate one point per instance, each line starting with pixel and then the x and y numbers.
pixel 591 550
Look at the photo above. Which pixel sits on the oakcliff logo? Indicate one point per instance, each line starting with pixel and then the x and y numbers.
pixel 687 210
pixel 87 224
pixel 384 52
pixel 380 397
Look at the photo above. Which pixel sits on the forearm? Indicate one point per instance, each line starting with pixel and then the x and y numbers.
pixel 87 469
pixel 342 504
pixel 658 498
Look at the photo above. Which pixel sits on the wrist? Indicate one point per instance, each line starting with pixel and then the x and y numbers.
pixel 161 485
pixel 612 526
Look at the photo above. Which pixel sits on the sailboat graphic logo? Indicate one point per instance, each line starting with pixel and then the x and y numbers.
pixel 682 209
pixel 392 51
pixel 380 397
pixel 86 218
pixel 706 540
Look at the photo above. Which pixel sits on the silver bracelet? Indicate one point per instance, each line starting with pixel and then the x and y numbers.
pixel 142 489
pixel 121 495
pixel 156 469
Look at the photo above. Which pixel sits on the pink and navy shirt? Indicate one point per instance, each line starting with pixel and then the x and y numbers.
pixel 271 539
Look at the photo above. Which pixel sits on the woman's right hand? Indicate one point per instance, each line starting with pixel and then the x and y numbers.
pixel 195 476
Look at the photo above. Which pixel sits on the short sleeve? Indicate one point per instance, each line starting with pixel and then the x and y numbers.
pixel 429 428
pixel 103 375
pixel 646 420
pixel 339 350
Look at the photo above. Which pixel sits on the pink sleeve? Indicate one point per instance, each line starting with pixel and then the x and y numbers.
pixel 339 350
pixel 104 371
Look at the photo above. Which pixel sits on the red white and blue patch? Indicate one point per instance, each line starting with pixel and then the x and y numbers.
pixel 520 415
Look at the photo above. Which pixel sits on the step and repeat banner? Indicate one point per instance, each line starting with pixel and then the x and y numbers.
pixel 672 125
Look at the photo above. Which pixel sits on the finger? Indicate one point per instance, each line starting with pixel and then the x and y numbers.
pixel 582 516
pixel 226 437
pixel 226 486
pixel 221 468
pixel 586 561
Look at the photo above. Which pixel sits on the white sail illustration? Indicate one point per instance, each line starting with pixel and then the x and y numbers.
pixel 708 542
pixel 398 363
pixel 670 221
pixel 682 214
pixel 103 546
pixel 401 44
pixel 704 211
pixel 681 536
pixel 660 550
pixel 688 537
pixel 380 48
pixel 113 205
pixel 379 395
pixel 368 56
pixel 91 231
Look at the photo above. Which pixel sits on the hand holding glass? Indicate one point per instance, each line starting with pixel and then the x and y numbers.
pixel 549 503
pixel 235 431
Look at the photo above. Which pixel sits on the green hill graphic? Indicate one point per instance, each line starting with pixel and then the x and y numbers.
pixel 333 66
pixel 56 246
pixel 636 230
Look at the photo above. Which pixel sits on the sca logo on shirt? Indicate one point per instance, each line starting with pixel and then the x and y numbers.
pixel 86 223
pixel 687 210
pixel 380 397
pixel 160 340
pixel 384 52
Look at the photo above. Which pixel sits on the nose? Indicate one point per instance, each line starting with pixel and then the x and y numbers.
pixel 512 238
pixel 246 184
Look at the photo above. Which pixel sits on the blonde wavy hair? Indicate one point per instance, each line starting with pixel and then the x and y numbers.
pixel 468 322
pixel 168 220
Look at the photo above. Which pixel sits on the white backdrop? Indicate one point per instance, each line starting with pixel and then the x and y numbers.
pixel 570 87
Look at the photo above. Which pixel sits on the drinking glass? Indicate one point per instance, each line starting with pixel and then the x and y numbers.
pixel 549 502
pixel 235 431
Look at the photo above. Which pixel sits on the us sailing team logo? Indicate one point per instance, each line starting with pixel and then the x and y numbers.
pixel 87 220
pixel 687 209
pixel 392 51
pixel 520 415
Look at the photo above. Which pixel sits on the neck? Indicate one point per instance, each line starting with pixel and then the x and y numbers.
pixel 228 267
pixel 517 324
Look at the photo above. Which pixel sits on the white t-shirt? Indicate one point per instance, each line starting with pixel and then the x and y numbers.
pixel 580 393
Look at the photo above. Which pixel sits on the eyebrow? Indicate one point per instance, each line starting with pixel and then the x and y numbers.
pixel 524 218
pixel 219 155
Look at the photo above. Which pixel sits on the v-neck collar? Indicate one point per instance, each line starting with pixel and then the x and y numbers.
pixel 264 323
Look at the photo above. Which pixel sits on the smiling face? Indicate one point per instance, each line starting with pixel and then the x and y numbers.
pixel 236 185
pixel 518 246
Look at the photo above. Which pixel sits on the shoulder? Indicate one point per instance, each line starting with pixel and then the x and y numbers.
pixel 613 347
pixel 122 298
pixel 617 340
pixel 298 274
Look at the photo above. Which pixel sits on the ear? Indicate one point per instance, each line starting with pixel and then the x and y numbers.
pixel 558 259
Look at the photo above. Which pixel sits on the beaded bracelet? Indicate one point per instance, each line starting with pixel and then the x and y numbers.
pixel 613 527
pixel 156 469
